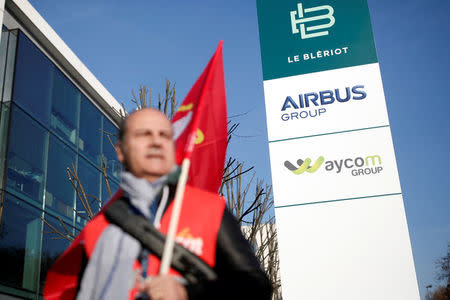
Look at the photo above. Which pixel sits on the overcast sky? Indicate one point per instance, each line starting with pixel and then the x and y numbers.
pixel 144 42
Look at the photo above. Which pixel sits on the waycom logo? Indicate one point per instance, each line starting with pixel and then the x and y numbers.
pixel 307 32
pixel 304 165
pixel 358 166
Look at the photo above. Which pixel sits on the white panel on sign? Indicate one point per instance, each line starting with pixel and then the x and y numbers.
pixel 353 250
pixel 325 102
pixel 335 166
pixel 339 211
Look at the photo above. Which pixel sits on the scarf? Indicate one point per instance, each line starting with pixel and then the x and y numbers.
pixel 109 273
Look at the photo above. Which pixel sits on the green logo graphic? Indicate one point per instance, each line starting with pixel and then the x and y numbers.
pixel 305 36
pixel 370 165
pixel 302 20
pixel 304 165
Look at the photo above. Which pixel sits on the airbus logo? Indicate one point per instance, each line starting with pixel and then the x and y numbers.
pixel 312 104
pixel 307 32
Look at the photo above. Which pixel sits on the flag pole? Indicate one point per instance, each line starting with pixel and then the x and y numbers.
pixel 170 239
pixel 197 96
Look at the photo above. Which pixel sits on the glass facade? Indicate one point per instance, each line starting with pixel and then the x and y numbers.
pixel 47 125
pixel 20 244
pixel 25 168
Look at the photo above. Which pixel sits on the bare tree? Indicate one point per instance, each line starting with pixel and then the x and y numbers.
pixel 443 274
pixel 87 201
pixel 440 293
pixel 167 104
pixel 252 210
pixel 443 265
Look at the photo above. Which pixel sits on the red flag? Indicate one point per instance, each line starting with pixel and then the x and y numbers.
pixel 200 126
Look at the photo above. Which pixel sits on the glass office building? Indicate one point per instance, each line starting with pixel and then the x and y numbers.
pixel 54 115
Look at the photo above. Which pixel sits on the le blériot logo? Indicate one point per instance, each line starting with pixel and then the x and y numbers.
pixel 307 32
pixel 357 166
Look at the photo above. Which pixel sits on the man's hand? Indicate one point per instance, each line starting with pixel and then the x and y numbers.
pixel 164 287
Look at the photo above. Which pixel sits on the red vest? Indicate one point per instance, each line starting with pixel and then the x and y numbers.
pixel 200 219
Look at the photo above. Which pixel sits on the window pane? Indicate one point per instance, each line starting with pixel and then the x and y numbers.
pixel 90 131
pixel 90 179
pixel 52 245
pixel 20 236
pixel 33 77
pixel 25 166
pixel 59 194
pixel 112 163
pixel 65 103
pixel 105 194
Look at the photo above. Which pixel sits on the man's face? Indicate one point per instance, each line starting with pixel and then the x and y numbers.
pixel 147 149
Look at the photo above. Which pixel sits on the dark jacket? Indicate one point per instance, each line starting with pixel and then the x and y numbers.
pixel 239 272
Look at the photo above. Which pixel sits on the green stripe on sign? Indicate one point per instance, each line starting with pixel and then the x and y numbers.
pixel 338 200
pixel 327 133
pixel 300 37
